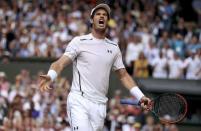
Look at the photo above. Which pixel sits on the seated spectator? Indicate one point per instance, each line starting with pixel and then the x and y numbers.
pixel 3 109
pixel 129 124
pixel 4 85
pixel 149 125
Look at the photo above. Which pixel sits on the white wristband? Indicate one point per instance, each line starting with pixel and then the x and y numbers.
pixel 52 74
pixel 137 93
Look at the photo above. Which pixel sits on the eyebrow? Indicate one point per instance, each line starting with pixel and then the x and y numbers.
pixel 101 13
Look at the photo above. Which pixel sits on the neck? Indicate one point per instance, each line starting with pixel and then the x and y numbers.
pixel 99 34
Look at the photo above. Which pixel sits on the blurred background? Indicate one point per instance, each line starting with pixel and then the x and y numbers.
pixel 161 45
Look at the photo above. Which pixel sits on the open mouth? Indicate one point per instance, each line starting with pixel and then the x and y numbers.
pixel 101 22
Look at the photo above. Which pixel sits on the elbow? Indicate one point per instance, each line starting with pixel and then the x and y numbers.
pixel 124 75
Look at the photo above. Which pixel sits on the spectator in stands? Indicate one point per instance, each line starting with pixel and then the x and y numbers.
pixel 3 109
pixel 198 56
pixel 16 89
pixel 151 52
pixel 164 39
pixel 193 45
pixel 175 67
pixel 180 27
pixel 192 64
pixel 149 125
pixel 158 127
pixel 7 125
pixel 166 11
pixel 137 126
pixel 4 85
pixel 171 127
pixel 159 66
pixel 132 52
pixel 190 32
pixel 167 51
pixel 179 45
pixel 133 49
pixel 141 67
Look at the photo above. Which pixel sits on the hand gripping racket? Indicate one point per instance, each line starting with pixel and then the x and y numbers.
pixel 167 107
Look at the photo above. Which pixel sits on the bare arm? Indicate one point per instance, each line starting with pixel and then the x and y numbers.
pixel 125 78
pixel 130 84
pixel 60 64
pixel 56 67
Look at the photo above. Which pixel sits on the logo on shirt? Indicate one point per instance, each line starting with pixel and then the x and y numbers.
pixel 109 51
pixel 75 128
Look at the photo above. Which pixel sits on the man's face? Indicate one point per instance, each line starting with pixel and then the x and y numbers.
pixel 100 20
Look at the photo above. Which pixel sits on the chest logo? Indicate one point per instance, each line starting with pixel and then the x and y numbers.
pixel 109 51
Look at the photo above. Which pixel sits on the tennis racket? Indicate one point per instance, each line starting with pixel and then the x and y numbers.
pixel 167 107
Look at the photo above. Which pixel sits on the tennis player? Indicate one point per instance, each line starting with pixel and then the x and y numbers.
pixel 93 56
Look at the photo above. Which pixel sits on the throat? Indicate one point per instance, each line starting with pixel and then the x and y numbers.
pixel 99 34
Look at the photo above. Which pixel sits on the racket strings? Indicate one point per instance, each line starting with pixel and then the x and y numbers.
pixel 169 107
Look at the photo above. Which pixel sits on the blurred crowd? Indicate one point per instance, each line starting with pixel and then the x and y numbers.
pixel 24 108
pixel 154 39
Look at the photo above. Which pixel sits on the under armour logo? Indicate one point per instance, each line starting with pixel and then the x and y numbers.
pixel 75 128
pixel 109 51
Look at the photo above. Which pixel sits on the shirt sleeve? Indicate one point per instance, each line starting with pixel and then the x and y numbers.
pixel 118 63
pixel 72 49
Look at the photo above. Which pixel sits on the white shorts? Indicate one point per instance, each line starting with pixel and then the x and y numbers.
pixel 83 114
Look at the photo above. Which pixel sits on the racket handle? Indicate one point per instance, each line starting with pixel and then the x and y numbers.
pixel 129 102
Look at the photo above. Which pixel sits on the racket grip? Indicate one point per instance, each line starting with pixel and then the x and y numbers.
pixel 129 102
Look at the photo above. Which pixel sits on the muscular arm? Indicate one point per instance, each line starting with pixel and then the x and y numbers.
pixel 125 78
pixel 56 67
pixel 59 65
pixel 130 84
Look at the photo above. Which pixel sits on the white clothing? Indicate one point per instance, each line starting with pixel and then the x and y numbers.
pixel 160 70
pixel 151 54
pixel 175 68
pixel 168 53
pixel 93 60
pixel 83 114
pixel 193 66
pixel 132 52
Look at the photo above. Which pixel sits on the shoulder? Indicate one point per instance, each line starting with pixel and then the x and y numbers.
pixel 79 39
pixel 84 37
pixel 111 42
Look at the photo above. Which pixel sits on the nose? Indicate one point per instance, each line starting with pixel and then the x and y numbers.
pixel 102 16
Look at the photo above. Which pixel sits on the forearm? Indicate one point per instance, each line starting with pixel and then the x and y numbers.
pixel 127 81
pixel 130 84
pixel 58 66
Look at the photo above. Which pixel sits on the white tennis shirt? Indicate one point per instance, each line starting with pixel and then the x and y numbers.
pixel 93 60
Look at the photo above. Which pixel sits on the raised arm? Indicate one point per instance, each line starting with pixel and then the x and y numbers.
pixel 55 69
